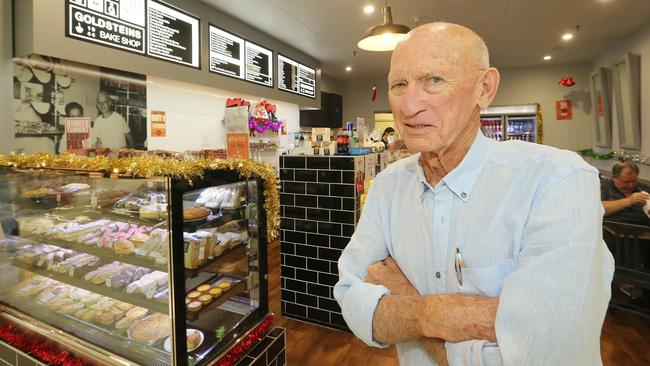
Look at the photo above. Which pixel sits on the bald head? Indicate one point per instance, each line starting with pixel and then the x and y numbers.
pixel 461 44
pixel 439 79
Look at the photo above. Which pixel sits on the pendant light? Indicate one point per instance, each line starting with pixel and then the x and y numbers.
pixel 383 37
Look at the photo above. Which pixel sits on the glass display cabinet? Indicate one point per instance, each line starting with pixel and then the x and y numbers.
pixel 159 271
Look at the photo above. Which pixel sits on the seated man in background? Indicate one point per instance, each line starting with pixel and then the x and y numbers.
pixel 623 197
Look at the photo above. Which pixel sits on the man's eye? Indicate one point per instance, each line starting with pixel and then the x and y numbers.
pixel 398 85
pixel 436 79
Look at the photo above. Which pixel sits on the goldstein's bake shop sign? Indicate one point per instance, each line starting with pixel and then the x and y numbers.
pixel 151 28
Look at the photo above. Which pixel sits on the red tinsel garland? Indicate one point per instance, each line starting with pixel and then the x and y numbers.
pixel 236 353
pixel 39 350
pixel 49 355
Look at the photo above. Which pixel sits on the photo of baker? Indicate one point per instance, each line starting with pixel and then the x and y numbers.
pixel 48 90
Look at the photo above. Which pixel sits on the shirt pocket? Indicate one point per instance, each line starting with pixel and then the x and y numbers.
pixel 486 281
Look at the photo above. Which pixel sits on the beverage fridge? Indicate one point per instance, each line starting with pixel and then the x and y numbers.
pixel 513 122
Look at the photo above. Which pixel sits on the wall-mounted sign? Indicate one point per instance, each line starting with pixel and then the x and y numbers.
pixel 112 23
pixel 226 53
pixel 296 78
pixel 148 27
pixel 237 145
pixel 563 110
pixel 173 35
pixel 237 57
pixel 259 64
pixel 158 124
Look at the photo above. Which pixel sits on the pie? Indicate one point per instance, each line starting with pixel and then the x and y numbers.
pixel 151 328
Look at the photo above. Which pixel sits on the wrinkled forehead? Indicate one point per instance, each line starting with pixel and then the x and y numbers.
pixel 432 53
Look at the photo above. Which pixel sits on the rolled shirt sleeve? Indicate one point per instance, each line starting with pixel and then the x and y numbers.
pixel 552 308
pixel 358 300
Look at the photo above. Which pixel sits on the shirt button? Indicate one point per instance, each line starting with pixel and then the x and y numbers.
pixel 437 274
pixel 463 195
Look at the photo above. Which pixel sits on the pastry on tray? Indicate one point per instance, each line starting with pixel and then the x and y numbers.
pixel 195 213
pixel 36 193
pixel 151 328
pixel 156 211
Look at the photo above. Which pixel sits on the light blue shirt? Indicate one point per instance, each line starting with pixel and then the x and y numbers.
pixel 527 219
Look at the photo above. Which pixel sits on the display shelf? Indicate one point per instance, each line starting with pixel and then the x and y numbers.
pixel 106 255
pixel 98 289
pixel 44 134
pixel 215 221
pixel 92 332
pixel 225 257
pixel 131 219
pixel 234 290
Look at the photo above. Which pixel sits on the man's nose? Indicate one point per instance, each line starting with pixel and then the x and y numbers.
pixel 413 101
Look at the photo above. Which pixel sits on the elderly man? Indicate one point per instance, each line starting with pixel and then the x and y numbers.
pixel 474 252
pixel 623 197
pixel 109 130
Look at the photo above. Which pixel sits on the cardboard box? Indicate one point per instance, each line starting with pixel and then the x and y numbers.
pixel 321 134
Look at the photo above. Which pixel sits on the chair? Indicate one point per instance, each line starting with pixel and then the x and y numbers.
pixel 625 241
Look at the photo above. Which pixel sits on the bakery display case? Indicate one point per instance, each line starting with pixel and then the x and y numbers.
pixel 157 271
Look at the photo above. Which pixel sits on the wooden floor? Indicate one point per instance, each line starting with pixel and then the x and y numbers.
pixel 625 338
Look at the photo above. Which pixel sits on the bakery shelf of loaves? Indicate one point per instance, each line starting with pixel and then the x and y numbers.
pixel 133 271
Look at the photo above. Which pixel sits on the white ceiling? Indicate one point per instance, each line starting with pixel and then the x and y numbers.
pixel 518 32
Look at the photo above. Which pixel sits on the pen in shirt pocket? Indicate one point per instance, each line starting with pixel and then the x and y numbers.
pixel 459 264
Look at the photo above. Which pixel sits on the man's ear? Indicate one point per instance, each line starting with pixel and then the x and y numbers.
pixel 489 87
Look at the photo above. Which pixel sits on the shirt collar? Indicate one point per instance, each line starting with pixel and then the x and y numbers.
pixel 461 180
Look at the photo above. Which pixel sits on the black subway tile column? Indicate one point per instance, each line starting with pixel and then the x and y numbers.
pixel 319 205
pixel 270 351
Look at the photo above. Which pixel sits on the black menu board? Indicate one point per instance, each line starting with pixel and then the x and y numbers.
pixel 113 23
pixel 259 64
pixel 148 27
pixel 237 57
pixel 296 78
pixel 173 34
pixel 226 53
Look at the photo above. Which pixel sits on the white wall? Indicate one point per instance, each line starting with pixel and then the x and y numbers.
pixel 639 44
pixel 6 79
pixel 357 102
pixel 540 85
pixel 195 116
pixel 518 86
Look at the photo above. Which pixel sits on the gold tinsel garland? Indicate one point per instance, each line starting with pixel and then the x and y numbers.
pixel 155 166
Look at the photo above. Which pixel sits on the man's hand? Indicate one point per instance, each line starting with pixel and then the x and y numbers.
pixel 638 197
pixel 388 274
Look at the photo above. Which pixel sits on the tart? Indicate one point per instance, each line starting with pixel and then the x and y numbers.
pixel 205 299
pixel 224 285
pixel 194 295
pixel 215 292
pixel 203 288
pixel 194 306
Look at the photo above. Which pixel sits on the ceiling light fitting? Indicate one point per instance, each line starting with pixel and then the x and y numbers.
pixel 383 37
